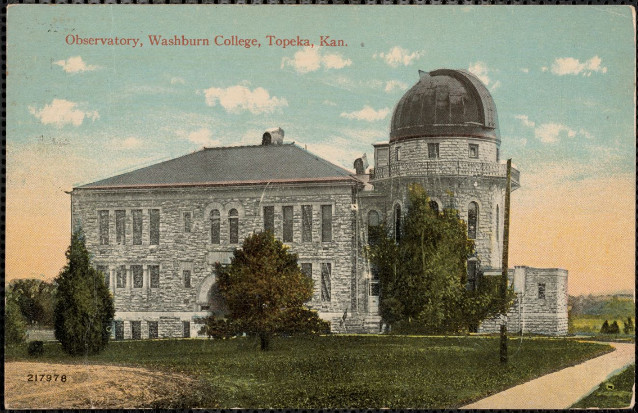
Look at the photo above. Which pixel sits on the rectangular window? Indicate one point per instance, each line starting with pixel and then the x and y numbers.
pixel 382 156
pixel 103 217
pixel 473 150
pixel 187 328
pixel 121 276
pixel 154 275
pixel 119 330
pixel 306 223
pixel 326 272
pixel 154 226
pixel 137 226
pixel 188 221
pixel 136 330
pixel 541 291
pixel 287 223
pixel 326 223
pixel 269 219
pixel 471 275
pixel 398 153
pixel 138 276
pixel 104 269
pixel 152 329
pixel 433 150
pixel 375 288
pixel 187 278
pixel 306 268
pixel 120 227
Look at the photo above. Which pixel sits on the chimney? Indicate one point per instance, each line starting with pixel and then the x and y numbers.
pixel 273 137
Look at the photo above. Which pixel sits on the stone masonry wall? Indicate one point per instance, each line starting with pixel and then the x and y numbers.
pixel 532 313
pixel 179 250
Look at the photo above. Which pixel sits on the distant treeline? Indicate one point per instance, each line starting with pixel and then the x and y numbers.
pixel 611 306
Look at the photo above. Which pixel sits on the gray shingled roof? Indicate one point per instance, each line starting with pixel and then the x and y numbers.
pixel 232 165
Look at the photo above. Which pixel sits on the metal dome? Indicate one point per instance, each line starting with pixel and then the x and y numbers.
pixel 445 102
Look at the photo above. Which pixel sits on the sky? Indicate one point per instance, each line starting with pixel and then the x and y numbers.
pixel 562 78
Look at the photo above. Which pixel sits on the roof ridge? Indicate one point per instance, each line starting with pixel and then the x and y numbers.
pixel 209 148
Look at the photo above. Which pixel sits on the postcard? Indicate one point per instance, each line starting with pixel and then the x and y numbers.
pixel 303 207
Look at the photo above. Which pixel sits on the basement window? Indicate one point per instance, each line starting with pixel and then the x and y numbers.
pixel 136 330
pixel 152 329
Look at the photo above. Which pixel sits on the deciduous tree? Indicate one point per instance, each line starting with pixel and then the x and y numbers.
pixel 423 277
pixel 265 290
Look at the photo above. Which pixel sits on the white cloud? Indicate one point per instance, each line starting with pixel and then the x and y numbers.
pixel 74 65
pixel 395 84
pixel 177 81
pixel 524 70
pixel 329 103
pixel 202 137
pixel 398 56
pixel 570 66
pixel 550 132
pixel 544 69
pixel 480 70
pixel 235 99
pixel 61 112
pixel 367 114
pixel 312 59
pixel 127 143
pixel 525 120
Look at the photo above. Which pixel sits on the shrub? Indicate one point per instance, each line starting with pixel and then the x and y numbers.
pixel 35 348
pixel 15 328
pixel 218 328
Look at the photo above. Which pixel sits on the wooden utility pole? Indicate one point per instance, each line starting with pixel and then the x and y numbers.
pixel 506 239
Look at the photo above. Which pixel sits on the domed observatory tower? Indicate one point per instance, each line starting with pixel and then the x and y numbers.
pixel 444 135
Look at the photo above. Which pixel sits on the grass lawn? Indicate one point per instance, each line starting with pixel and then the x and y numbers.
pixel 340 371
pixel 613 393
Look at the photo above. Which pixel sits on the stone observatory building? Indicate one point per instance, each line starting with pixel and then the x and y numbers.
pixel 157 232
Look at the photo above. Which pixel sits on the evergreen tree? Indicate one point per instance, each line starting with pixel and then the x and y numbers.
pixel 423 277
pixel 614 328
pixel 605 328
pixel 265 290
pixel 84 306
pixel 629 326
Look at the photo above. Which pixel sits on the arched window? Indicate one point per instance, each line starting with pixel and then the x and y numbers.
pixel 498 225
pixel 373 230
pixel 472 220
pixel 233 226
pixel 214 226
pixel 397 223
pixel 434 206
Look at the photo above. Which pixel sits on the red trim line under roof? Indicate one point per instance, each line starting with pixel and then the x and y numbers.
pixel 225 183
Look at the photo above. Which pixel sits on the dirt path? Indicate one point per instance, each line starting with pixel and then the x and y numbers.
pixel 86 386
pixel 561 389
